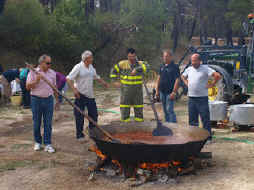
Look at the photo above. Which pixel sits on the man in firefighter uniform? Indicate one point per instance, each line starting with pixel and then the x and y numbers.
pixel 130 73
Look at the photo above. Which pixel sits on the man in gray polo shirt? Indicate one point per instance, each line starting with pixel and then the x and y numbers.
pixel 196 78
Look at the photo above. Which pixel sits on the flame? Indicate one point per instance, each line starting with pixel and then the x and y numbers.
pixel 98 152
pixel 156 166
pixel 148 166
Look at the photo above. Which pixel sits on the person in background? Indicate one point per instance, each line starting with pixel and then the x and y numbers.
pixel 83 75
pixel 5 79
pixel 42 102
pixel 196 78
pixel 26 98
pixel 167 85
pixel 60 83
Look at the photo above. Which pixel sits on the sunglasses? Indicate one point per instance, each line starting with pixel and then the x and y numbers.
pixel 49 63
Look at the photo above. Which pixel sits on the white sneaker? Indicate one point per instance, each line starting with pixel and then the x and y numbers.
pixel 37 146
pixel 49 149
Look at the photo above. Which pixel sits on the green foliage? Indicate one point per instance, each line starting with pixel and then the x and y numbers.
pixel 237 12
pixel 23 25
pixel 118 24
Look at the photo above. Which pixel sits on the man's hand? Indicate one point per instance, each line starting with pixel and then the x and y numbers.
pixel 172 96
pixel 117 84
pixel 157 94
pixel 106 85
pixel 38 78
pixel 17 80
pixel 133 72
pixel 76 93
pixel 210 85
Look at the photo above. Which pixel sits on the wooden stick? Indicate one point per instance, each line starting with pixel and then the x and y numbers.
pixel 69 101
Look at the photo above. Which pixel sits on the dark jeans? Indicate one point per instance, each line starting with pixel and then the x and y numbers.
pixel 60 98
pixel 42 107
pixel 26 98
pixel 168 108
pixel 90 104
pixel 199 106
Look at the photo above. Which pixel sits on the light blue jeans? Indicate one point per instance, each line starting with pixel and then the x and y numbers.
pixel 168 108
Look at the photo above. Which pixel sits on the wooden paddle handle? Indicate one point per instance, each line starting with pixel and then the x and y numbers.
pixel 69 101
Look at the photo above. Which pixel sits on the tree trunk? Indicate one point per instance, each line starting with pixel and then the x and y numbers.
pixel 193 26
pixel 229 35
pixel 106 5
pixel 175 33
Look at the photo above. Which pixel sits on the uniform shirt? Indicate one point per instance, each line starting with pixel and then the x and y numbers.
pixel 168 75
pixel 42 89
pixel 83 78
pixel 197 80
pixel 11 74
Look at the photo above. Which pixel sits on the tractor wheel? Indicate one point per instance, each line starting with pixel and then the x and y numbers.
pixel 224 87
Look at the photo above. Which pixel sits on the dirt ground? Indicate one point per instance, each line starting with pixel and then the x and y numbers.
pixel 24 169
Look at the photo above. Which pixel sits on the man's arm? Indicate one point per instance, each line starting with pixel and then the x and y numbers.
pixel 176 86
pixel 114 75
pixel 104 83
pixel 74 90
pixel 30 84
pixel 185 80
pixel 157 85
pixel 216 76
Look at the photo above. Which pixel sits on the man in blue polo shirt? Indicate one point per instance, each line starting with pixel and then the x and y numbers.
pixel 167 85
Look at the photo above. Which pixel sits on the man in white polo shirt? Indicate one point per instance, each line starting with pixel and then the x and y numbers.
pixel 196 78
pixel 83 74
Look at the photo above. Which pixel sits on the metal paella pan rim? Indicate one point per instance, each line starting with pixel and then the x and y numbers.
pixel 185 142
pixel 181 134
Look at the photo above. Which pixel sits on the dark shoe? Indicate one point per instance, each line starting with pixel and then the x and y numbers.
pixel 80 135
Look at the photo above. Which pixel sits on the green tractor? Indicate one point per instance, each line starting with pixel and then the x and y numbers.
pixel 236 66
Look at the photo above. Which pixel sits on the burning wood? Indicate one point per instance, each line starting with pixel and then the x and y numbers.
pixel 144 172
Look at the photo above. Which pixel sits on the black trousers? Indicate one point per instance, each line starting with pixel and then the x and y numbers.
pixel 26 98
pixel 90 104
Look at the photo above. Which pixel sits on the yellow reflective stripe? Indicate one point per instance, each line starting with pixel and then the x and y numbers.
pixel 131 82
pixel 237 66
pixel 125 120
pixel 138 106
pixel 144 67
pixel 113 76
pixel 131 77
pixel 117 69
pixel 138 119
pixel 124 106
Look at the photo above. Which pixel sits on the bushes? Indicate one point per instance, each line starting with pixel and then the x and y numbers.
pixel 23 26
pixel 65 33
